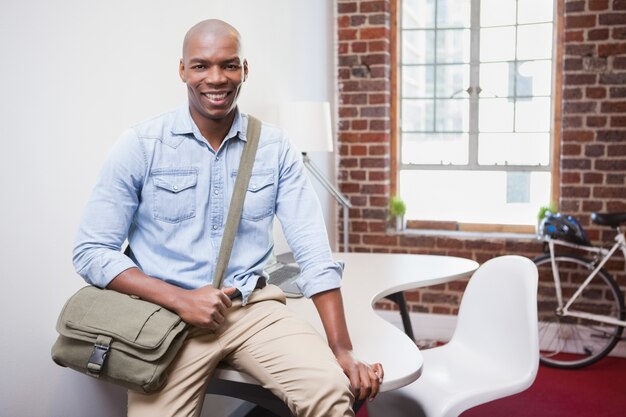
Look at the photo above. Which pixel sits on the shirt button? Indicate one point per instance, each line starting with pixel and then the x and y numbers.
pixel 216 192
pixel 214 227
pixel 175 187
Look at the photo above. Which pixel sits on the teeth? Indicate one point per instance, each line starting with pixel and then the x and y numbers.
pixel 215 96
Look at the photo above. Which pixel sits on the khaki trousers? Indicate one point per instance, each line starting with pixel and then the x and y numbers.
pixel 265 340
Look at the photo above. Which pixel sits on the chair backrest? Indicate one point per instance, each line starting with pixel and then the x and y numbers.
pixel 498 312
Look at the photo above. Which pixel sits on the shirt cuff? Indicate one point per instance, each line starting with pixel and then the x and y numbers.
pixel 101 275
pixel 314 281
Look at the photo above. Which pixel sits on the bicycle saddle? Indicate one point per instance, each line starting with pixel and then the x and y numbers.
pixel 564 227
pixel 608 219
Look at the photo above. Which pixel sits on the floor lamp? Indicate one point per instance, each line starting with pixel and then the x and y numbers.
pixel 310 130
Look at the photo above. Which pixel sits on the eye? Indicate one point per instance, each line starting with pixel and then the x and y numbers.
pixel 198 67
pixel 233 67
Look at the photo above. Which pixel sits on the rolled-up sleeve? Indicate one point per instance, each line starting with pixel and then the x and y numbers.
pixel 109 212
pixel 300 214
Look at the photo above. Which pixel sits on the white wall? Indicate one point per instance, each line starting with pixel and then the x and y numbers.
pixel 74 74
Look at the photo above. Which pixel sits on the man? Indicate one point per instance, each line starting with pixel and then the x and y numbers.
pixel 165 188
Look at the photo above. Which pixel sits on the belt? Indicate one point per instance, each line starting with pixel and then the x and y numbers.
pixel 259 284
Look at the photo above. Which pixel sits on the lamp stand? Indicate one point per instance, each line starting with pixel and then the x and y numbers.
pixel 341 199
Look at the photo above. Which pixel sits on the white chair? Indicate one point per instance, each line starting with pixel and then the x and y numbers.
pixel 493 353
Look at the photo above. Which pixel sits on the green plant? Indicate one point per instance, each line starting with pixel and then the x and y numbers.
pixel 543 210
pixel 397 207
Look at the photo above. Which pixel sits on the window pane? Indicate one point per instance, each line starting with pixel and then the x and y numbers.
pixel 514 149
pixel 495 80
pixel 453 13
pixel 534 11
pixel 439 148
pixel 453 46
pixel 471 196
pixel 534 41
pixel 418 47
pixel 496 115
pixel 418 81
pixel 418 115
pixel 497 12
pixel 497 44
pixel 452 115
pixel 452 81
pixel 532 115
pixel 534 78
pixel 418 14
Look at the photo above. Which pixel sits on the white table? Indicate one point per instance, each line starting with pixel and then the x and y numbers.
pixel 367 278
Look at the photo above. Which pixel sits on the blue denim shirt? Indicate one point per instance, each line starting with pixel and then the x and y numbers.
pixel 167 192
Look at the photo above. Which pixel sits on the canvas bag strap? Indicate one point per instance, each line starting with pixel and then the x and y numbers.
pixel 236 203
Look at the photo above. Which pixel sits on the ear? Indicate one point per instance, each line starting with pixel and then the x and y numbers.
pixel 245 70
pixel 181 71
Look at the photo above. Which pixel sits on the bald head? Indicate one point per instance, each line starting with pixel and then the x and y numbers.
pixel 214 71
pixel 211 28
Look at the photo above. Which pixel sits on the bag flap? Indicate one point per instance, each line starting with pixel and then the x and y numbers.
pixel 137 323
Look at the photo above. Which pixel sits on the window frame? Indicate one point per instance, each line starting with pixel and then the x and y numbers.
pixel 396 131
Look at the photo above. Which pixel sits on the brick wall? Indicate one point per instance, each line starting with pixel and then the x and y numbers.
pixel 593 149
pixel 593 154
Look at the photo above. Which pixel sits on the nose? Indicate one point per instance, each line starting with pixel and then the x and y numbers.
pixel 215 75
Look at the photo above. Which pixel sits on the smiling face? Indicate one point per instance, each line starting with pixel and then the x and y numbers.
pixel 214 71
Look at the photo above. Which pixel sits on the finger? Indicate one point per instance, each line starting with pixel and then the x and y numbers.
pixel 217 317
pixel 380 372
pixel 366 384
pixel 226 296
pixel 375 383
pixel 211 324
pixel 229 290
pixel 355 384
pixel 218 309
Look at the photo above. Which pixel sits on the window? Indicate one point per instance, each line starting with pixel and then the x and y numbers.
pixel 475 85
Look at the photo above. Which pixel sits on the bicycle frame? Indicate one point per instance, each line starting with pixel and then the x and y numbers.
pixel 605 254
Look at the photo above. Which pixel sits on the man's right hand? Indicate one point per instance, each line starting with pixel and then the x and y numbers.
pixel 204 307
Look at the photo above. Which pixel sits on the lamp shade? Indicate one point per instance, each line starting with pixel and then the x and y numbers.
pixel 308 125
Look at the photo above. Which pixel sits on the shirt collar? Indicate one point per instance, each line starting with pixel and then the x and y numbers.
pixel 184 125
pixel 237 129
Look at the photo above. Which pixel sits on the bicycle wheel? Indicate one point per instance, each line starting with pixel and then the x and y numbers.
pixel 570 342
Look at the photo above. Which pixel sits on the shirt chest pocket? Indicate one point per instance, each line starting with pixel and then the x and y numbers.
pixel 260 196
pixel 174 193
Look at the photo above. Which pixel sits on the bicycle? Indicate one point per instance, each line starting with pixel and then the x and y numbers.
pixel 580 305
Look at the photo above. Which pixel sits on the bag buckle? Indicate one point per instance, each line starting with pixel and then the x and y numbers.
pixel 98 355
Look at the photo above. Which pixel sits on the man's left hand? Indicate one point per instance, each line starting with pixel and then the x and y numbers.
pixel 364 379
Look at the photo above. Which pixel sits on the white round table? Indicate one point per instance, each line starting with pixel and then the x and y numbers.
pixel 367 278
